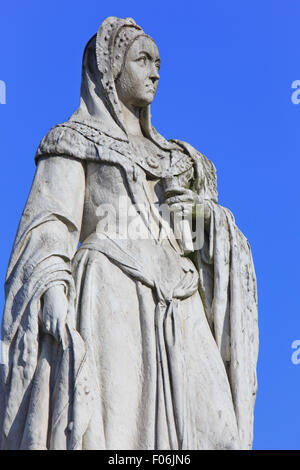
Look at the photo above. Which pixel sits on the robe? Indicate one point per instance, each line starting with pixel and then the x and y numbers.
pixel 145 367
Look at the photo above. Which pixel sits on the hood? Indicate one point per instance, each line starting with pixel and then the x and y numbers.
pixel 100 107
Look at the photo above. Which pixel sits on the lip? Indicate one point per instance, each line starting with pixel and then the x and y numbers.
pixel 151 90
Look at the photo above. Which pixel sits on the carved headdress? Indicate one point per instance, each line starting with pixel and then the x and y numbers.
pixel 103 60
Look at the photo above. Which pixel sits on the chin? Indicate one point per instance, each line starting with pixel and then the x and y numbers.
pixel 145 100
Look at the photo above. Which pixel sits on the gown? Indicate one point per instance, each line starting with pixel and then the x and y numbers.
pixel 161 341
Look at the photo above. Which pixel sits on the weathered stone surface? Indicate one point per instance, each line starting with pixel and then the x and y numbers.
pixel 145 335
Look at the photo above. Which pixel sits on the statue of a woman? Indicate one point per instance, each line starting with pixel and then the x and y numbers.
pixel 122 338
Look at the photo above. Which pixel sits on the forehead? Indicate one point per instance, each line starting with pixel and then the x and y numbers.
pixel 143 44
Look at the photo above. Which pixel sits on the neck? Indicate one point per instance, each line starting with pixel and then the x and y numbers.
pixel 131 116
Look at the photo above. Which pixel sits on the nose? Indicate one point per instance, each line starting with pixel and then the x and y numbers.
pixel 154 75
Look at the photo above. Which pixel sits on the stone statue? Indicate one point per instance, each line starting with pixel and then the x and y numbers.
pixel 119 332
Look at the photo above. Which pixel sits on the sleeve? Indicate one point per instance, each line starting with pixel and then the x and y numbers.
pixel 46 241
pixel 48 233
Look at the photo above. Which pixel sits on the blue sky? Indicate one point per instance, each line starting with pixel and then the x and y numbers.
pixel 226 86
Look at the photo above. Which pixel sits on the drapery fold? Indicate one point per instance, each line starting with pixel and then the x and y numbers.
pixel 229 293
pixel 171 413
pixel 45 244
pixel 228 289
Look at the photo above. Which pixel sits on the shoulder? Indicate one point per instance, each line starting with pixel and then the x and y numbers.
pixel 65 139
pixel 83 142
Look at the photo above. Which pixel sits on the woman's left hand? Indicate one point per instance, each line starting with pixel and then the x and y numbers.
pixel 184 201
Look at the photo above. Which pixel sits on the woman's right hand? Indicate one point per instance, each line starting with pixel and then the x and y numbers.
pixel 54 312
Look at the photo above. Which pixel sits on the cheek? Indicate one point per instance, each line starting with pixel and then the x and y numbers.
pixel 136 77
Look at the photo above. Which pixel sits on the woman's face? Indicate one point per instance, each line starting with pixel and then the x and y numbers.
pixel 137 84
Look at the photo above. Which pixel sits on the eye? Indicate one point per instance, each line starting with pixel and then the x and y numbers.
pixel 142 60
pixel 157 65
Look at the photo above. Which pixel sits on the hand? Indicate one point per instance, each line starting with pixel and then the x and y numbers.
pixel 183 201
pixel 54 312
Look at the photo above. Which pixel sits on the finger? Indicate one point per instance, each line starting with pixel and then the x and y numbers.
pixel 185 198
pixel 61 335
pixel 178 190
pixel 53 329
